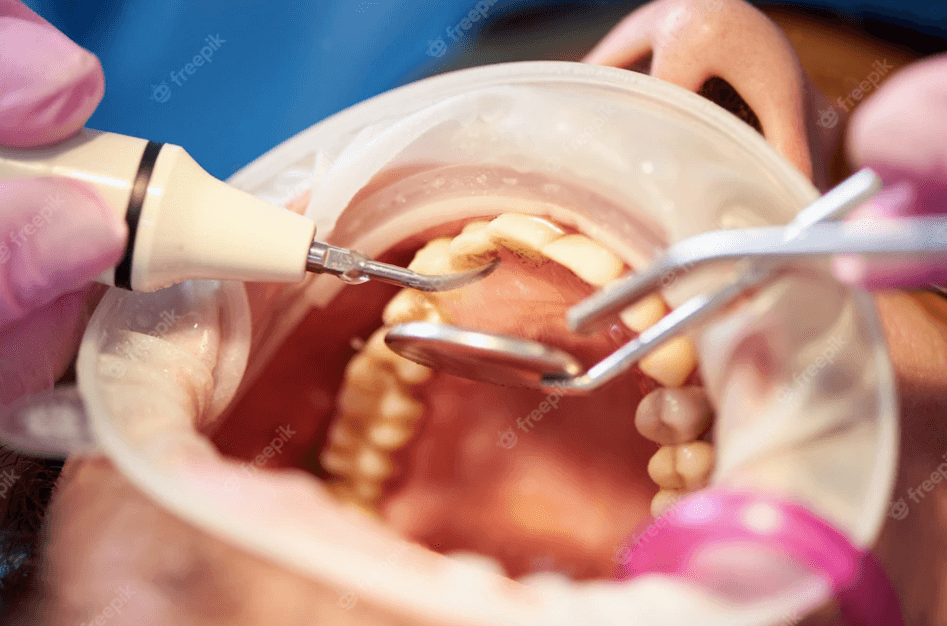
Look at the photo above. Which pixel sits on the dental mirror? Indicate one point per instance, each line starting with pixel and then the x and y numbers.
pixel 481 356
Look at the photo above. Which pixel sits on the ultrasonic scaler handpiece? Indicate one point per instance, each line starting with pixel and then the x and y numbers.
pixel 184 224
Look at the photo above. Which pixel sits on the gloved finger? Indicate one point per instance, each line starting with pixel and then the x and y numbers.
pixel 49 86
pixel 35 351
pixel 56 235
pixel 901 133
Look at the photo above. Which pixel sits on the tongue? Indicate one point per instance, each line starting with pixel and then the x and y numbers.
pixel 536 480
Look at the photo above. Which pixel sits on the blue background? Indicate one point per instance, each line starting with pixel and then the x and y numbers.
pixel 286 64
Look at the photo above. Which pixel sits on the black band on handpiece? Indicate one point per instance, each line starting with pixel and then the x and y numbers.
pixel 123 271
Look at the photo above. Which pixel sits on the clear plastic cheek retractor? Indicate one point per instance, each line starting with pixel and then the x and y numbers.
pixel 185 224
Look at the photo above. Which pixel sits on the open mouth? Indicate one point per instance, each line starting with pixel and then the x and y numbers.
pixel 522 480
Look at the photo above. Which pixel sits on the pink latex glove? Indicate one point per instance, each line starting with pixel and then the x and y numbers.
pixel 901 132
pixel 56 235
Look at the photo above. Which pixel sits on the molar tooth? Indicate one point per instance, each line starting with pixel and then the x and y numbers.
pixel 372 464
pixel 336 462
pixel 365 372
pixel 396 406
pixel 356 403
pixel 342 436
pixel 664 500
pixel 346 494
pixel 644 314
pixel 662 469
pixel 672 362
pixel 366 490
pixel 389 435
pixel 587 259
pixel 410 305
pixel 694 462
pixel 674 416
pixel 523 234
pixel 407 371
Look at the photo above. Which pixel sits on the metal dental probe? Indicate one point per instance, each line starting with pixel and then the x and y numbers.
pixel 184 224
pixel 505 360
pixel 621 294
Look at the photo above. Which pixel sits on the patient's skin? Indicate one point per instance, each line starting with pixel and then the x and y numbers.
pixel 106 542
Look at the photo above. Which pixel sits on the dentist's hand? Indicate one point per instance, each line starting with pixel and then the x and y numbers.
pixel 55 235
pixel 901 133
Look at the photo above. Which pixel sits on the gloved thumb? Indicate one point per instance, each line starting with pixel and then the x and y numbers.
pixel 56 235
pixel 49 86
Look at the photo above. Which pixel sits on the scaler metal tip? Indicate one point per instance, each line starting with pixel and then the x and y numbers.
pixel 355 268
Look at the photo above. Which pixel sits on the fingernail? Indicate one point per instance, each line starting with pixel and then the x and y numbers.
pixel 49 86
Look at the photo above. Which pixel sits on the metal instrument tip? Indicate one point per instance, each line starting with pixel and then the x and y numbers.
pixel 354 268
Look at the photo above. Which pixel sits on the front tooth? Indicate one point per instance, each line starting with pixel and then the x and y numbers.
pixel 694 462
pixel 469 247
pixel 674 416
pixel 434 258
pixel 664 500
pixel 662 470
pixel 644 314
pixel 523 234
pixel 587 259
pixel 389 435
pixel 672 362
